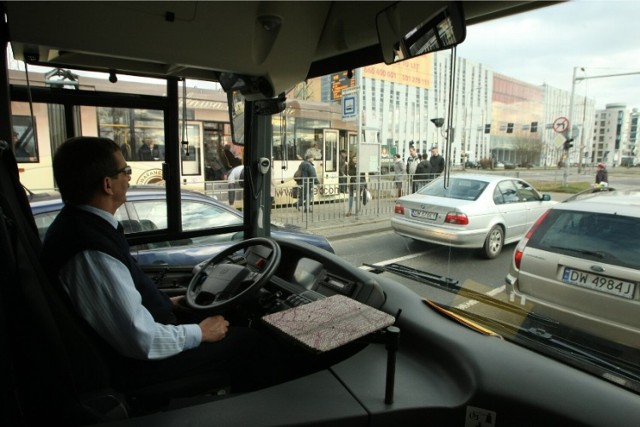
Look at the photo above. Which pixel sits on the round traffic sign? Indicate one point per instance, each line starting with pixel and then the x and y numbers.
pixel 561 124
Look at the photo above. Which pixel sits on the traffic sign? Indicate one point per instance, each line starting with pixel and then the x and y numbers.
pixel 349 107
pixel 561 124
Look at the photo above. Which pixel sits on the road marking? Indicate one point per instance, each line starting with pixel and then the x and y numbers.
pixel 472 302
pixel 391 261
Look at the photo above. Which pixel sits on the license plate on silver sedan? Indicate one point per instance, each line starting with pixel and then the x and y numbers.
pixel 416 213
pixel 619 288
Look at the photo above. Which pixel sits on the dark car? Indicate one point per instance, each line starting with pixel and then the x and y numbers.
pixel 145 210
pixel 472 164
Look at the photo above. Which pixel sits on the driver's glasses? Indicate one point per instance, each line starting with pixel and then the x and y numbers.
pixel 126 170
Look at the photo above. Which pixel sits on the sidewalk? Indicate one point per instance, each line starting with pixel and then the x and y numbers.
pixel 352 227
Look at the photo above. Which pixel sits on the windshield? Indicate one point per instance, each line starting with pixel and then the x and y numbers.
pixel 439 192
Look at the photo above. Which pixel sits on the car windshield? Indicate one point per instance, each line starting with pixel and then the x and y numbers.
pixel 450 185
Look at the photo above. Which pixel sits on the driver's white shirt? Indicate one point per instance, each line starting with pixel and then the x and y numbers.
pixel 113 306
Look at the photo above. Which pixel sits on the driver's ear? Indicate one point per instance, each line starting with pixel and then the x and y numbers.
pixel 106 185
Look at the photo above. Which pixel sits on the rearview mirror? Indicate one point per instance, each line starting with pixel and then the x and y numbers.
pixel 403 34
pixel 236 104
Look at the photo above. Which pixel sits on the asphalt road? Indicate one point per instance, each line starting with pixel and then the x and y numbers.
pixel 463 265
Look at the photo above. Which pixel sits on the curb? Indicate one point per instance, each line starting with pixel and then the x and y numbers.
pixel 354 228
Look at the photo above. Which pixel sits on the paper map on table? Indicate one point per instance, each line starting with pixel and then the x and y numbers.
pixel 329 323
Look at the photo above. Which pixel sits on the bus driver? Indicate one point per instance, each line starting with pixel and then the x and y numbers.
pixel 88 256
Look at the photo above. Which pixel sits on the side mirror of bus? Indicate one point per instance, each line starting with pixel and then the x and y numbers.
pixel 403 34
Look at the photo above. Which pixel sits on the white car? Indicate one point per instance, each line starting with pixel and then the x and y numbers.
pixel 473 211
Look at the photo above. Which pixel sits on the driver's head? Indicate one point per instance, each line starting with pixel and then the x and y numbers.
pixel 85 167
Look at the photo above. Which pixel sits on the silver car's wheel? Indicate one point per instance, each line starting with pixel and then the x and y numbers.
pixel 493 243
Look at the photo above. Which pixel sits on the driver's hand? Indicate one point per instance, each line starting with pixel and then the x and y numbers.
pixel 177 301
pixel 214 328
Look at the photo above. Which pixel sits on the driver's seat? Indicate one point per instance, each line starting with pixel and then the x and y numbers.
pixel 54 365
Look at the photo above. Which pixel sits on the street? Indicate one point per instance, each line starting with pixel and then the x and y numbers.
pixel 464 265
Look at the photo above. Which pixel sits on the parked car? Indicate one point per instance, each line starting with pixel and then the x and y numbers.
pixel 473 211
pixel 145 210
pixel 472 164
pixel 580 265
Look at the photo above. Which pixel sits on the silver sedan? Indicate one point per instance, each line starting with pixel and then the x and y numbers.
pixel 473 211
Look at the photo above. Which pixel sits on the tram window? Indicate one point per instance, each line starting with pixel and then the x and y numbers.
pixel 191 152
pixel 139 132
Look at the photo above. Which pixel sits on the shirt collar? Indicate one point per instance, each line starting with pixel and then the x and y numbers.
pixel 101 213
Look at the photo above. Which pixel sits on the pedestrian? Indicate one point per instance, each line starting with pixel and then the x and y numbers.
pixel 352 172
pixel 602 176
pixel 234 181
pixel 353 182
pixel 398 174
pixel 412 164
pixel 423 173
pixel 309 179
pixel 437 162
pixel 343 172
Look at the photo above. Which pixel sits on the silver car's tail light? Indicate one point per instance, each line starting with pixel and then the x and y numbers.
pixel 456 218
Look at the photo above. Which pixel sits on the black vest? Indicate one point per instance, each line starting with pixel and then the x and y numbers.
pixel 75 230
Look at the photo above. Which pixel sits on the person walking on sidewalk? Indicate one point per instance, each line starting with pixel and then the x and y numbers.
pixel 353 184
pixel 412 164
pixel 423 174
pixel 234 181
pixel 437 162
pixel 309 180
pixel 602 176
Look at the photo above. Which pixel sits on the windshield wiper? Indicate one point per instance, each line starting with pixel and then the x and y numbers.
pixel 451 285
pixel 580 251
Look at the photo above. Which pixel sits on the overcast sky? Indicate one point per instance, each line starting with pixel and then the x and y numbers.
pixel 544 46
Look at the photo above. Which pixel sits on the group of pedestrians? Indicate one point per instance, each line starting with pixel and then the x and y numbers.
pixel 419 169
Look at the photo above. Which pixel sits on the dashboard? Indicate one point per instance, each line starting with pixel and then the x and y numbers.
pixel 307 274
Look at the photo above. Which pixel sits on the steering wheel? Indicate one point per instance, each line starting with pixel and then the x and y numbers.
pixel 233 275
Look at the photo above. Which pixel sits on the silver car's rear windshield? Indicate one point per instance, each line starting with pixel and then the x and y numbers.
pixel 459 188
pixel 612 239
